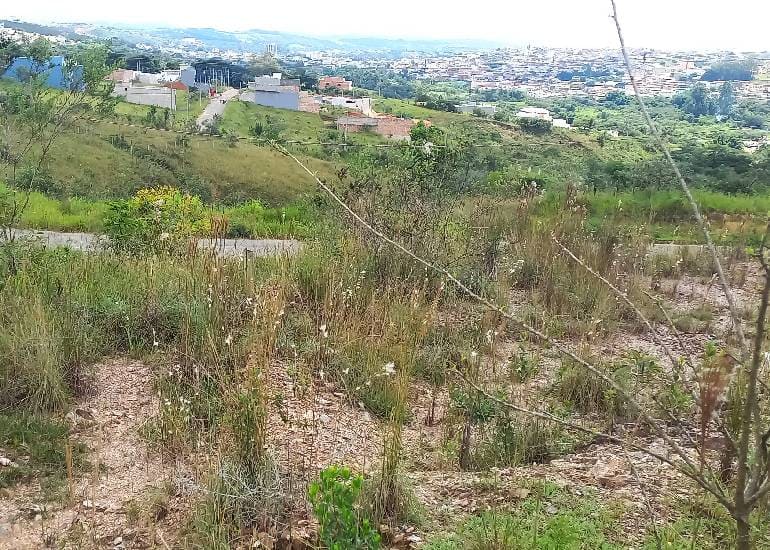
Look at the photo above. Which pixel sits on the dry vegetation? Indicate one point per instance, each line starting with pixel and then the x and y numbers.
pixel 254 377
pixel 440 368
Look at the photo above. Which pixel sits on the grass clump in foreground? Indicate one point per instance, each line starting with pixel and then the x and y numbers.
pixel 37 445
pixel 551 518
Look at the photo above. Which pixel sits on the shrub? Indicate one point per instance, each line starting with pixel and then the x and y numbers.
pixel 587 392
pixel 156 220
pixel 334 497
pixel 535 125
pixel 239 500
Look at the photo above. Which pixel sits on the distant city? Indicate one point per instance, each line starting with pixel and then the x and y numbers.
pixel 539 71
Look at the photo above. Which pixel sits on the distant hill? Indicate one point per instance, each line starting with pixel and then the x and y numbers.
pixel 243 41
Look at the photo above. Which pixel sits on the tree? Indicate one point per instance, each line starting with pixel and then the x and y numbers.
pixel 731 70
pixel 9 49
pixel 617 98
pixel 726 99
pixel 696 101
pixel 32 117
pixel 535 125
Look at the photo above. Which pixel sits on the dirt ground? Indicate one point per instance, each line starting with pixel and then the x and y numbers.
pixel 318 426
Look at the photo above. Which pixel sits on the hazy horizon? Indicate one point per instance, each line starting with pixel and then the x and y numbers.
pixel 660 24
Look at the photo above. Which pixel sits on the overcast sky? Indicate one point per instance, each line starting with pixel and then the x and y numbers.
pixel 680 24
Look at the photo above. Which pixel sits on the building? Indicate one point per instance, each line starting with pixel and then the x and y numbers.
pixel 160 96
pixel 123 76
pixel 313 103
pixel 271 50
pixel 185 74
pixel 273 91
pixel 55 72
pixel 337 82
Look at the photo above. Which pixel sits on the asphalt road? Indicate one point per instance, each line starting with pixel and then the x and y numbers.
pixel 90 242
pixel 215 107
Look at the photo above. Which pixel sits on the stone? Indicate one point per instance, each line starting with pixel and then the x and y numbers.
pixel 6 462
pixel 88 414
pixel 117 541
pixel 610 473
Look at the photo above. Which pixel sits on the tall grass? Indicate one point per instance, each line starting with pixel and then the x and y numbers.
pixel 62 310
pixel 564 298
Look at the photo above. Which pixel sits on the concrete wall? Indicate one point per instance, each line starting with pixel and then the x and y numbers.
pixel 147 95
pixel 391 127
pixel 280 100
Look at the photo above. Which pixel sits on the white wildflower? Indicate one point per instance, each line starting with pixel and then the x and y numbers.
pixel 389 369
pixel 229 339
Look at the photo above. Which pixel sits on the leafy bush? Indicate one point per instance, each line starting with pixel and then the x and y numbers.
pixel 156 220
pixel 535 125
pixel 588 393
pixel 334 497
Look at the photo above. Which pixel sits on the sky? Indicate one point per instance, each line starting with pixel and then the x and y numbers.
pixel 665 24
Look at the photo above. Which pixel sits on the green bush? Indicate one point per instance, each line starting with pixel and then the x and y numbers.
pixel 156 220
pixel 587 392
pixel 334 497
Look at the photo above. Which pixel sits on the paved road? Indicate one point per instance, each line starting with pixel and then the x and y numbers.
pixel 215 107
pixel 224 247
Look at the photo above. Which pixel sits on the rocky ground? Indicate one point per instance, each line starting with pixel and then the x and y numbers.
pixel 313 427
pixel 124 473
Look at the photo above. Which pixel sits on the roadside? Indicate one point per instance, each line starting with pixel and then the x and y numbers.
pixel 90 242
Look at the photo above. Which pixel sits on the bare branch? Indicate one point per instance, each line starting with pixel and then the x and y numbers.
pixel 686 189
pixel 713 488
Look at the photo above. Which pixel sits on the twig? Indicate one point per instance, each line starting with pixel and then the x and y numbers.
pixel 686 189
pixel 713 488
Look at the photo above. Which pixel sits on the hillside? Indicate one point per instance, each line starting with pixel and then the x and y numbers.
pixel 103 160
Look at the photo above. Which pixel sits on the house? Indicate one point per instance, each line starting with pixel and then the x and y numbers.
pixel 176 85
pixel 334 82
pixel 55 72
pixel 160 96
pixel 356 123
pixel 123 76
pixel 313 103
pixel 185 74
pixel 273 91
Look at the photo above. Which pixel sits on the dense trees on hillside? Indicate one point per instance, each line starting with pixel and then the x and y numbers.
pixel 697 101
pixel 387 83
pixel 731 70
